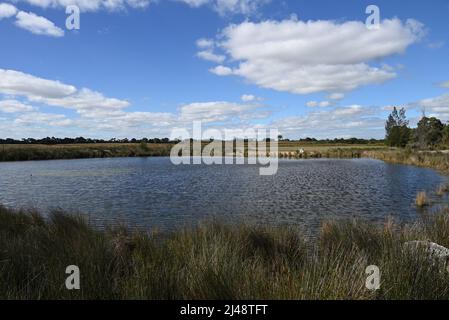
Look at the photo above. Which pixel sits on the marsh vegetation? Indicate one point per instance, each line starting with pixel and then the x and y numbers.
pixel 217 260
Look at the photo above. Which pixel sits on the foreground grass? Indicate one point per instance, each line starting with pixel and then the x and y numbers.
pixel 216 261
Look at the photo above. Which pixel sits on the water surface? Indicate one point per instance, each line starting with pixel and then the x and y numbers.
pixel 151 192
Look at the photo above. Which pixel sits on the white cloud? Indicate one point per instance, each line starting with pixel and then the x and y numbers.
pixel 14 106
pixel 248 97
pixel 50 119
pixel 205 43
pixel 336 96
pixel 210 56
pixel 436 106
pixel 218 111
pixel 18 83
pixel 294 56
pixel 224 7
pixel 97 114
pixel 7 10
pixel 345 122
pixel 322 104
pixel 312 104
pixel 37 24
pixel 90 5
pixel 222 71
pixel 55 93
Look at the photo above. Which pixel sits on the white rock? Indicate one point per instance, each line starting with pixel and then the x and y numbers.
pixel 434 250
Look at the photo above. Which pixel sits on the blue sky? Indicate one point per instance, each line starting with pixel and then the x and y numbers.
pixel 139 68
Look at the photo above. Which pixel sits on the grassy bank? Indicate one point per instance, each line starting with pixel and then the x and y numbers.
pixel 216 261
pixel 79 151
pixel 24 152
pixel 429 159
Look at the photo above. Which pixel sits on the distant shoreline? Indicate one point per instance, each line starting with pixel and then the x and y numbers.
pixel 437 160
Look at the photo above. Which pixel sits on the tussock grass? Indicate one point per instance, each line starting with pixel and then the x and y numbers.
pixel 442 189
pixel 422 200
pixel 216 261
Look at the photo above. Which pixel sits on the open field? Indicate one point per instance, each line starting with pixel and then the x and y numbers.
pixel 24 152
pixel 438 160
pixel 20 152
pixel 217 261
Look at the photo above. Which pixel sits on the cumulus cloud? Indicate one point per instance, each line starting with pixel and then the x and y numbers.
pixel 221 71
pixel 218 111
pixel 97 114
pixel 224 7
pixel 50 119
pixel 344 122
pixel 18 83
pixel 248 97
pixel 14 106
pixel 210 56
pixel 205 43
pixel 56 93
pixel 7 10
pixel 336 96
pixel 314 56
pixel 323 104
pixel 436 106
pixel 37 24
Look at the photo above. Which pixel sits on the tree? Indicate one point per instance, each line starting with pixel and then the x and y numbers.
pixel 396 127
pixel 429 132
pixel 445 139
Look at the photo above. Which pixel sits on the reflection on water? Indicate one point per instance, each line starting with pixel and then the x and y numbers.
pixel 152 192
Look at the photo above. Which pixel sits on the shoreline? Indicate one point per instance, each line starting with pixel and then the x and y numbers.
pixel 428 159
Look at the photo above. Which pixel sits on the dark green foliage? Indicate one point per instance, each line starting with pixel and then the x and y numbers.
pixel 429 133
pixel 396 127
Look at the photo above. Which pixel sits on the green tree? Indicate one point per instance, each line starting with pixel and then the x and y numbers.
pixel 429 132
pixel 396 127
pixel 445 139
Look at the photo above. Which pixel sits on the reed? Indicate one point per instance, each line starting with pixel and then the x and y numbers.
pixel 216 260
pixel 422 199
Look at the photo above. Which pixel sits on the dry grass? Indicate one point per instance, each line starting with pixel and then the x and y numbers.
pixel 216 261
pixel 422 199
pixel 442 189
pixel 438 160
pixel 79 151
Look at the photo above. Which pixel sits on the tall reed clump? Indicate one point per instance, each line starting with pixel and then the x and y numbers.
pixel 422 199
pixel 442 189
pixel 216 260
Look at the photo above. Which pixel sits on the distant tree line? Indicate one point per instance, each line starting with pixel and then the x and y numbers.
pixel 81 140
pixel 334 141
pixel 430 133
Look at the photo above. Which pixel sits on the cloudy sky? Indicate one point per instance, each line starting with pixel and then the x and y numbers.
pixel 141 68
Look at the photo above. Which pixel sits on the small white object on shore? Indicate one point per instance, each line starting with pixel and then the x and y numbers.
pixel 434 250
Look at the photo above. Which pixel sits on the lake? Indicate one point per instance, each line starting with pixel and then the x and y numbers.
pixel 152 192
